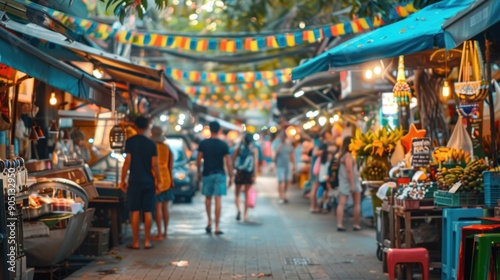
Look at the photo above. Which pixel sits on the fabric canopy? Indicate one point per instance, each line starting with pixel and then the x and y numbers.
pixel 478 17
pixel 21 56
pixel 139 77
pixel 418 32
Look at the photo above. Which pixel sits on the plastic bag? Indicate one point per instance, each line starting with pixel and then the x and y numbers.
pixel 398 155
pixel 460 138
pixel 252 197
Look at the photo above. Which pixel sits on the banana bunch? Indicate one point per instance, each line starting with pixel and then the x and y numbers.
pixel 374 171
pixel 381 143
pixel 471 176
pixel 446 178
pixel 450 155
pixel 472 179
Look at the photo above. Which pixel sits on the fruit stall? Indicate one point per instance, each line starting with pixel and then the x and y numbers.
pixel 414 185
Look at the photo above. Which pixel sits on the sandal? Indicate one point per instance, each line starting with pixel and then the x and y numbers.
pixel 341 229
pixel 219 232
pixel 208 229
pixel 357 228
pixel 149 247
pixel 130 246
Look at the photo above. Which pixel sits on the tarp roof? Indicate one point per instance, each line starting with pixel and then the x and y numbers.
pixel 418 32
pixel 21 56
pixel 140 77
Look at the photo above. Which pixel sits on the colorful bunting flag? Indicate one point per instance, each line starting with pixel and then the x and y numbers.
pixel 197 43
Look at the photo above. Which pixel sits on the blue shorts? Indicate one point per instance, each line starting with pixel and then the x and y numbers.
pixel 214 185
pixel 284 174
pixel 141 197
pixel 167 195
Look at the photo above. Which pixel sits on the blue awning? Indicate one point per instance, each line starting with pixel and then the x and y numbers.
pixel 481 16
pixel 418 32
pixel 21 56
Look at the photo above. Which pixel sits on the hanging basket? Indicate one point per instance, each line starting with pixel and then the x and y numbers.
pixel 472 91
pixel 471 86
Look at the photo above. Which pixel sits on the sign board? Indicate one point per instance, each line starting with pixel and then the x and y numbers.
pixel 421 152
pixel 475 129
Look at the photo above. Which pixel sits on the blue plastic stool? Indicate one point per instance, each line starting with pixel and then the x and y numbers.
pixel 451 215
pixel 455 251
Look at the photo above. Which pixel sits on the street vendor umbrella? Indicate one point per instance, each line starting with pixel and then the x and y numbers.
pixel 418 32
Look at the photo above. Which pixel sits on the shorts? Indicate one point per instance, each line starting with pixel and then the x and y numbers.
pixel 345 189
pixel 284 174
pixel 141 197
pixel 214 185
pixel 164 196
pixel 244 178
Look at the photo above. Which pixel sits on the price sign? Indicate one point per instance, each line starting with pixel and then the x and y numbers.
pixel 421 152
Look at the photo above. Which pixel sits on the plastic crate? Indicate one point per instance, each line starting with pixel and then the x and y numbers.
pixel 448 246
pixel 444 198
pixel 491 188
pixel 96 242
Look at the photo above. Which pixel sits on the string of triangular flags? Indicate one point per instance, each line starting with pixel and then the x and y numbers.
pixel 220 77
pixel 200 44
pixel 193 90
pixel 235 102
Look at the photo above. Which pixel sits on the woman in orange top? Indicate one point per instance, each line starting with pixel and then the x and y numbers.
pixel 165 162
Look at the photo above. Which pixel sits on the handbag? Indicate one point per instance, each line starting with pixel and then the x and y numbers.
pixel 316 167
pixel 252 197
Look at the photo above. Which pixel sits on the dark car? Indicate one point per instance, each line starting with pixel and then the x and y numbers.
pixel 185 179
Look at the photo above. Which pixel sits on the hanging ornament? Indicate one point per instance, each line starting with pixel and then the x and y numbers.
pixel 401 90
pixel 117 134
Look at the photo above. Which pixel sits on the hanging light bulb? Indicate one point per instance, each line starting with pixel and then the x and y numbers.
pixel 98 73
pixel 446 89
pixel 53 99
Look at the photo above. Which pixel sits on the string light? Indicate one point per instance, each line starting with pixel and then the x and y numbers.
pixel 53 99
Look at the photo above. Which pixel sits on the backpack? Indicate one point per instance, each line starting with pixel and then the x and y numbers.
pixel 245 160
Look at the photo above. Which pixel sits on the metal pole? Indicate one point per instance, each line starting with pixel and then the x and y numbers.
pixel 491 103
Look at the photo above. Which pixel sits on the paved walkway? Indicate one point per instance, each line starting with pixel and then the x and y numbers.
pixel 281 242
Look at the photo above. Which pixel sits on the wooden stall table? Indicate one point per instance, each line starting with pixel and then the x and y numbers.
pixel 407 216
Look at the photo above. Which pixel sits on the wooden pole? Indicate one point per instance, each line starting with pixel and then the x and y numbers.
pixel 491 103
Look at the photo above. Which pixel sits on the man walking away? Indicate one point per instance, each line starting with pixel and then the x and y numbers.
pixel 214 153
pixel 143 181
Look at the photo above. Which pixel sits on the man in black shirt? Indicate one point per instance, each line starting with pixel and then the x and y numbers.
pixel 143 182
pixel 214 152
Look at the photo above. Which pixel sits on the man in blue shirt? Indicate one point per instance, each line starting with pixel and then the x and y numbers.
pixel 143 181
pixel 214 153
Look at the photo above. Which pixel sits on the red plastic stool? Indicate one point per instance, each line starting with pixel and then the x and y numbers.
pixel 466 248
pixel 410 255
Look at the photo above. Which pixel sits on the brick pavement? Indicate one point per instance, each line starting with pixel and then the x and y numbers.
pixel 283 241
